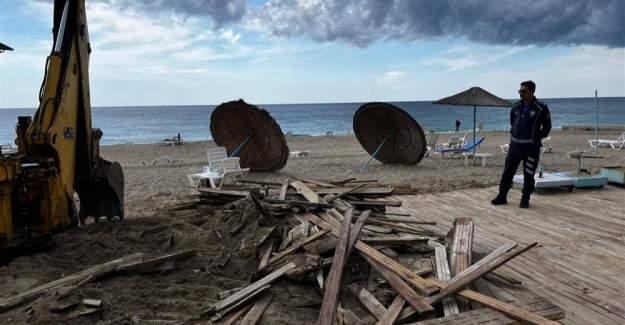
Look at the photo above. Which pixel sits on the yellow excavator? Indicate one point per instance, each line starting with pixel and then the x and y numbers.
pixel 57 179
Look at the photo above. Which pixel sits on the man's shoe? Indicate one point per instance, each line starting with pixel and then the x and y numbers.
pixel 499 200
pixel 524 204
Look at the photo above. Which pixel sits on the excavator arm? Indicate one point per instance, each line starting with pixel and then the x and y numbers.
pixel 58 150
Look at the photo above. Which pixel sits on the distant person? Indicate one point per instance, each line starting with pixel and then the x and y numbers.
pixel 458 126
pixel 530 122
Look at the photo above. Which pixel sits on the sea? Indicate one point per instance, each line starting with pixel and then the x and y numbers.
pixel 151 124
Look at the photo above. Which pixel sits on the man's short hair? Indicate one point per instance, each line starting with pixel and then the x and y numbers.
pixel 529 84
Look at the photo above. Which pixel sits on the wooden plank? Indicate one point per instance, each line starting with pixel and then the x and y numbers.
pixel 378 191
pixel 460 241
pixel 297 245
pixel 345 192
pixel 357 227
pixel 401 287
pixel 331 292
pixel 249 181
pixel 211 191
pixel 285 187
pixel 253 316
pixel 368 300
pixel 443 273
pixel 235 317
pixel 386 203
pixel 393 311
pixel 150 263
pixel 304 204
pixel 488 263
pixel 395 240
pixel 377 256
pixel 264 260
pixel 314 182
pixel 241 303
pixel 249 289
pixel 13 301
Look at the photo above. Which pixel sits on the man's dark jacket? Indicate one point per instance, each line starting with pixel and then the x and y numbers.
pixel 532 126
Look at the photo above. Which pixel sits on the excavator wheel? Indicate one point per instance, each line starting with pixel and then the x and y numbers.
pixel 104 197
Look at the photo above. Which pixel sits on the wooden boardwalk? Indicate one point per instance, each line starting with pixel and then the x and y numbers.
pixel 580 262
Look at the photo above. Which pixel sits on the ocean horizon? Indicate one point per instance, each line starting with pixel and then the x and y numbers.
pixel 151 124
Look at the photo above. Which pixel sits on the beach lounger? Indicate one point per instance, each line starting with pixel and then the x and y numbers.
pixel 432 143
pixel 215 157
pixel 456 141
pixel 6 149
pixel 617 144
pixel 175 141
pixel 465 148
pixel 228 167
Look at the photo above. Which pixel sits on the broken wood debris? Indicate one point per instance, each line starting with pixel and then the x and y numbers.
pixel 326 219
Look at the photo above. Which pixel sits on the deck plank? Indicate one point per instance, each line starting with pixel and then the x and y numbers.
pixel 579 263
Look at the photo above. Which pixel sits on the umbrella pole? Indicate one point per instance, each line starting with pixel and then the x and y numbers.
pixel 240 147
pixel 366 165
pixel 596 147
pixel 474 119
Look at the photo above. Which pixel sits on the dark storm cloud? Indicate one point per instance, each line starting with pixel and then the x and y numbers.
pixel 507 22
pixel 220 11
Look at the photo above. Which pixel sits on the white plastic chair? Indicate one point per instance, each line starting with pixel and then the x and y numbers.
pixel 215 157
pixel 227 167
pixel 614 144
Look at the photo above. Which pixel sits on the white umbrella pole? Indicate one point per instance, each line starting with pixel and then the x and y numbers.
pixel 474 118
pixel 596 147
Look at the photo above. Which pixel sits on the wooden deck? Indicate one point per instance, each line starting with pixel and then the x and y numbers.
pixel 580 262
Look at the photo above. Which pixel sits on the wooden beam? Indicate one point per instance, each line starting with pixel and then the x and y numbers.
pixel 460 241
pixel 89 274
pixel 314 182
pixel 332 287
pixel 264 260
pixel 368 300
pixel 249 181
pixel 393 311
pixel 401 287
pixel 377 256
pixel 238 305
pixel 304 204
pixel 395 240
pixel 443 273
pixel 345 192
pixel 253 316
pixel 297 245
pixel 386 203
pixel 249 289
pixel 285 187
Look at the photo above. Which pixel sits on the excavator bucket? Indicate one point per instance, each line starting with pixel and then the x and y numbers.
pixel 104 197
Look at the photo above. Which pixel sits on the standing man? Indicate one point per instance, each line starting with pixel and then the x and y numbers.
pixel 457 126
pixel 530 122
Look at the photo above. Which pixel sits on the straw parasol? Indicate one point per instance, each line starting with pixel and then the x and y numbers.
pixel 250 133
pixel 389 134
pixel 474 96
pixel 4 48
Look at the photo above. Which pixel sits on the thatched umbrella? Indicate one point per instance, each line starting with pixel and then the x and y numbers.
pixel 4 48
pixel 475 96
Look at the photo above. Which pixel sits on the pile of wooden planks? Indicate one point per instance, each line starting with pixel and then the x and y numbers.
pixel 414 274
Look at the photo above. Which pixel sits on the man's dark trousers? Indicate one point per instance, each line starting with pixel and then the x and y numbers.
pixel 529 154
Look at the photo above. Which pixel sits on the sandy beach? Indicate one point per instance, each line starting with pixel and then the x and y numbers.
pixel 156 174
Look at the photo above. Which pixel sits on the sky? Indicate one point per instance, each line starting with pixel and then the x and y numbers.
pixel 197 52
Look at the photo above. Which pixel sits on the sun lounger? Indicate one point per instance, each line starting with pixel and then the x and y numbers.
pixel 228 167
pixel 432 143
pixel 175 141
pixel 215 157
pixel 548 181
pixel 465 148
pixel 6 149
pixel 617 144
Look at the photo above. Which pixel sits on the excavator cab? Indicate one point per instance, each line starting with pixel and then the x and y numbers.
pixel 58 156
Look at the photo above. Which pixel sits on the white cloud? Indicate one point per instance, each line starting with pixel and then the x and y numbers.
pixel 460 58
